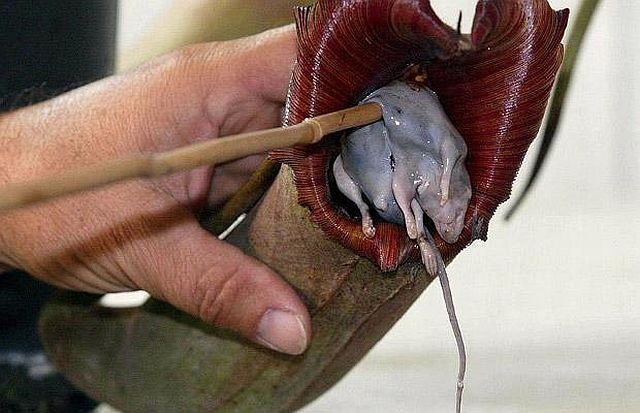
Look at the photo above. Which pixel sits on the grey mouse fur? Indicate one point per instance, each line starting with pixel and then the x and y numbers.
pixel 409 162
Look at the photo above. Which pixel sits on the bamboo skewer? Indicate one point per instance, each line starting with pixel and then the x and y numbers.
pixel 211 152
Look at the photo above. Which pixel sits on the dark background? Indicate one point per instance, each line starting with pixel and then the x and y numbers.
pixel 46 48
pixel 53 44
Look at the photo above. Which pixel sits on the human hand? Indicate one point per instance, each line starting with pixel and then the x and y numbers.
pixel 143 234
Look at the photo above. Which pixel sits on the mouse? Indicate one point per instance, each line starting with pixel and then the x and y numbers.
pixel 410 163
pixel 405 166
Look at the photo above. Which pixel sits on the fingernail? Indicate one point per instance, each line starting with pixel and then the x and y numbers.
pixel 282 331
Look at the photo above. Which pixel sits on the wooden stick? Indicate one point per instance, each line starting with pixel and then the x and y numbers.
pixel 211 152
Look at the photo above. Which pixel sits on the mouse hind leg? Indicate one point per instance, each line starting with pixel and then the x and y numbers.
pixel 427 249
pixel 352 190
pixel 404 192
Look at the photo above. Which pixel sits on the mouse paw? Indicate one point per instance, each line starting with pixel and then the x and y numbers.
pixel 368 228
pixel 429 257
pixel 431 264
pixel 412 229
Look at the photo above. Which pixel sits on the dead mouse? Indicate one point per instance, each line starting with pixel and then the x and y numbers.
pixel 409 163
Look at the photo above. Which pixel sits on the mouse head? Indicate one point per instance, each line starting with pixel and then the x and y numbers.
pixel 448 216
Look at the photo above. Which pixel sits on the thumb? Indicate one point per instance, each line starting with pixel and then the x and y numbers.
pixel 218 283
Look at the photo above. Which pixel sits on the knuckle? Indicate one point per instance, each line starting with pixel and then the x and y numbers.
pixel 183 54
pixel 183 61
pixel 216 294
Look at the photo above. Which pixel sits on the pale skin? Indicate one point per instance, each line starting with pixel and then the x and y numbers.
pixel 143 234
pixel 410 164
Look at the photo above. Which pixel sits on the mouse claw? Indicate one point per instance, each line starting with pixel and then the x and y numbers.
pixel 431 264
pixel 368 228
pixel 429 258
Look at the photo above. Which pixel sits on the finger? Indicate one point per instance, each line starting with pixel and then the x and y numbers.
pixel 218 283
pixel 271 55
pixel 234 74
